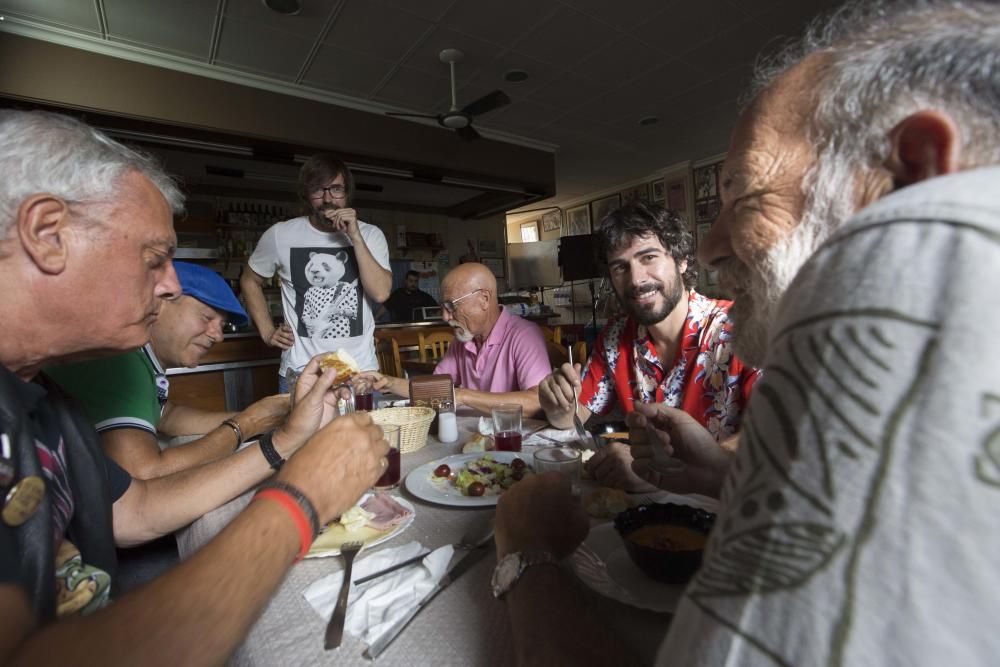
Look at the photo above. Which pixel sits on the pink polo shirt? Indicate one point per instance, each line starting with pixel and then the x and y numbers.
pixel 513 358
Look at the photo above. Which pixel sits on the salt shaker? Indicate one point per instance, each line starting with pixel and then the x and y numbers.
pixel 447 422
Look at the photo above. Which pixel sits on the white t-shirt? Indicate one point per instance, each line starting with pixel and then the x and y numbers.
pixel 321 292
pixel 861 520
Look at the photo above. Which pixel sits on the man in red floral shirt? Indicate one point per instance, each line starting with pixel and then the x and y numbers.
pixel 672 346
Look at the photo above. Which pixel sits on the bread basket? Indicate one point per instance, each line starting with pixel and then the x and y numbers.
pixel 413 423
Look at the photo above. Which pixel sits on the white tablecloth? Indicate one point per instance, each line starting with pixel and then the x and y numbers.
pixel 464 625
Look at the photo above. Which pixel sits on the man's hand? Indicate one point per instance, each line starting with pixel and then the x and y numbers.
pixel 344 220
pixel 384 383
pixel 338 463
pixel 539 513
pixel 556 395
pixel 280 336
pixel 264 415
pixel 315 406
pixel 612 466
pixel 684 438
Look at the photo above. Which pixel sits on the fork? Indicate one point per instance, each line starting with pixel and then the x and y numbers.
pixel 335 628
pixel 581 432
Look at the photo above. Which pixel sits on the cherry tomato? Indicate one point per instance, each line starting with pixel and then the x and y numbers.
pixel 442 470
pixel 518 464
pixel 476 489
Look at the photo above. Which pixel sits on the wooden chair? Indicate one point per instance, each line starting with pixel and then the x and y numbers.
pixel 580 352
pixel 437 343
pixel 387 353
pixel 557 354
pixel 552 335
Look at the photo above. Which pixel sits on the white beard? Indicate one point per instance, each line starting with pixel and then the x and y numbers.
pixel 461 334
pixel 758 291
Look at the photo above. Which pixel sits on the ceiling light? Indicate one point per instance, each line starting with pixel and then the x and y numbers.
pixel 287 7
pixel 515 75
pixel 646 121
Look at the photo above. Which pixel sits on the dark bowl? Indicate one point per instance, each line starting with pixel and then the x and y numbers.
pixel 665 555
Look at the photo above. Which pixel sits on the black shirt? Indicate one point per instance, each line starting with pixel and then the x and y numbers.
pixel 401 304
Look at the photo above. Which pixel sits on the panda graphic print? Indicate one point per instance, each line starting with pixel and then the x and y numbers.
pixel 328 292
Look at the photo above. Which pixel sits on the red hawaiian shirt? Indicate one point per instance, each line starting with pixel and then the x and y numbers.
pixel 706 379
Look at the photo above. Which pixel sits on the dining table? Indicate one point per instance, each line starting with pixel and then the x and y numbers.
pixel 463 625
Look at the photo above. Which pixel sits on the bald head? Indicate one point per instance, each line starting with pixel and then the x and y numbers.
pixel 472 288
pixel 467 277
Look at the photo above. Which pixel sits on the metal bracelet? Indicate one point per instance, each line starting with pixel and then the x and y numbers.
pixel 233 424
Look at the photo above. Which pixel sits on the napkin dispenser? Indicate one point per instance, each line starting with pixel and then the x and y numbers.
pixel 431 391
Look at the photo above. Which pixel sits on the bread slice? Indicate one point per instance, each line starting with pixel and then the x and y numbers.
pixel 342 362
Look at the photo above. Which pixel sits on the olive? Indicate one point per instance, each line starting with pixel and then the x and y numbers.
pixel 442 470
pixel 476 489
pixel 517 474
pixel 517 464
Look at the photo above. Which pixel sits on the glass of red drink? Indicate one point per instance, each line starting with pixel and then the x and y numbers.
pixel 390 478
pixel 507 427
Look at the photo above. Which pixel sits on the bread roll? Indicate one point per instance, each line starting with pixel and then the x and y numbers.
pixel 342 362
pixel 478 443
pixel 606 503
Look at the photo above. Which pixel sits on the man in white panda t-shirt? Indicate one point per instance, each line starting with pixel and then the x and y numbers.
pixel 331 266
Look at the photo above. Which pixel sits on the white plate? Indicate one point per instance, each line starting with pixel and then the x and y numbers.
pixel 603 565
pixel 419 482
pixel 328 542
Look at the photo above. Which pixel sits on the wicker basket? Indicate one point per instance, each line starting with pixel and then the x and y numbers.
pixel 414 424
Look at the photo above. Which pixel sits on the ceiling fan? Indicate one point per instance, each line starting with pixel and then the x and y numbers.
pixel 457 119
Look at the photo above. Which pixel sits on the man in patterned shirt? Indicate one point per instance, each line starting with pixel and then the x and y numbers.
pixel 672 346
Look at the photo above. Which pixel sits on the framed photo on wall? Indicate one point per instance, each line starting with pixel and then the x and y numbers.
pixel 576 221
pixel 676 191
pixel 529 231
pixel 636 193
pixel 487 247
pixel 552 221
pixel 658 191
pixel 706 183
pixel 601 207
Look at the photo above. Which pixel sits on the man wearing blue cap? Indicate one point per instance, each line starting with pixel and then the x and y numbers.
pixel 126 395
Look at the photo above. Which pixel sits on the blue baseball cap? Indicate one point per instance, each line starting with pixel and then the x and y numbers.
pixel 208 287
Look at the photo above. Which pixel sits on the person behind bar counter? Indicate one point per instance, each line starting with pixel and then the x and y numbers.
pixel 86 236
pixel 403 302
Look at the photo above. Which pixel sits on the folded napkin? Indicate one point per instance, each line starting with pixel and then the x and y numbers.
pixel 374 607
pixel 543 437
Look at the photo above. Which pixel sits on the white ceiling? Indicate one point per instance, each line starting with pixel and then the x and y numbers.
pixel 595 67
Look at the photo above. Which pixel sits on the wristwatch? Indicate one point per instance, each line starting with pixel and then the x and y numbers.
pixel 510 568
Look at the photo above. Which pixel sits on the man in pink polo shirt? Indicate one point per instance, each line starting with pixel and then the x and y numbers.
pixel 496 357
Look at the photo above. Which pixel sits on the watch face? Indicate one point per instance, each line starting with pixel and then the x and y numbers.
pixel 506 573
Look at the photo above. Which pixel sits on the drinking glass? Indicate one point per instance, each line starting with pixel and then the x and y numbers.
pixel 507 427
pixel 563 460
pixel 390 478
pixel 364 395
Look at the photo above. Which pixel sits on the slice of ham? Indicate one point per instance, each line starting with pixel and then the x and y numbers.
pixel 387 511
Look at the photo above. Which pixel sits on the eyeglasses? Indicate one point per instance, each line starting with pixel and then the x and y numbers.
pixel 335 191
pixel 451 306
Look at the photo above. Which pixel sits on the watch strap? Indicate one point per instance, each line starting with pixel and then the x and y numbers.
pixel 270 453
pixel 525 560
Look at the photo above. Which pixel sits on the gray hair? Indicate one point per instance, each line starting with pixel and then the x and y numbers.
pixel 889 59
pixel 47 152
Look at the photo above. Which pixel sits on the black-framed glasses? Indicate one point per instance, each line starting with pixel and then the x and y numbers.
pixel 336 191
pixel 452 305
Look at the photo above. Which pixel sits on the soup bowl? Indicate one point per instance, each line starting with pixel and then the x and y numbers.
pixel 665 541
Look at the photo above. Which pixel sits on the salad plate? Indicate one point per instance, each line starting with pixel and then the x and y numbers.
pixel 602 563
pixel 328 542
pixel 422 483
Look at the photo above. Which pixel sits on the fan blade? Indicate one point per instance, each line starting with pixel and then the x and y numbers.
pixel 467 133
pixel 411 115
pixel 487 103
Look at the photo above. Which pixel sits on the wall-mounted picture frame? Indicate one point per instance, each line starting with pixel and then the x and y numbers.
pixel 552 221
pixel 658 191
pixel 601 207
pixel 706 181
pixel 576 221
pixel 676 193
pixel 639 192
pixel 707 209
pixel 529 231
pixel 494 264
pixel 488 247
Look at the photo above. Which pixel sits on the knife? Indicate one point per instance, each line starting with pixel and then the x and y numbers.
pixel 456 571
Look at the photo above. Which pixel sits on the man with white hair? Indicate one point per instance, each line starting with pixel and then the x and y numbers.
pixel 858 522
pixel 85 228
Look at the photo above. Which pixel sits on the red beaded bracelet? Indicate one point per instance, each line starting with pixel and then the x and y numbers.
pixel 286 500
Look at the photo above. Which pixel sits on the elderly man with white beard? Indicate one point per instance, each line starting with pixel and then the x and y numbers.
pixel 858 523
